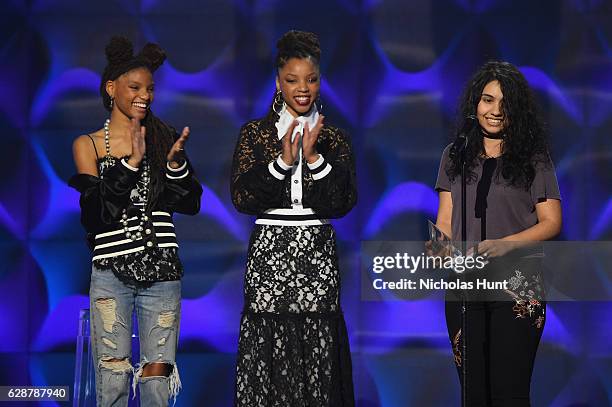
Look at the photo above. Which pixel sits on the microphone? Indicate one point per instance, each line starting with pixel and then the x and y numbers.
pixel 463 136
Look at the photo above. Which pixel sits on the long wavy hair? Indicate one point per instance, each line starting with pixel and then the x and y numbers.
pixel 524 141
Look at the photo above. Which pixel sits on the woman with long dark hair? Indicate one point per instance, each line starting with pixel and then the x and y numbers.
pixel 512 200
pixel 133 175
pixel 294 173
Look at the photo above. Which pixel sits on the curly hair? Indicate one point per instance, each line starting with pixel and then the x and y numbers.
pixel 524 144
pixel 298 44
pixel 159 136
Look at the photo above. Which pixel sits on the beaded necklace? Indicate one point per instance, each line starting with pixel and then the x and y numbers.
pixel 143 190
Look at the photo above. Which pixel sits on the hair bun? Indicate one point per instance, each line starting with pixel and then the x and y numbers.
pixel 154 55
pixel 119 50
pixel 299 42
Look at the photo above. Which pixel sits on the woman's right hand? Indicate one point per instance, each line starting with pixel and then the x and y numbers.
pixel 138 143
pixel 436 249
pixel 290 149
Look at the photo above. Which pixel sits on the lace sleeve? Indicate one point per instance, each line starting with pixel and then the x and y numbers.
pixel 256 185
pixel 333 192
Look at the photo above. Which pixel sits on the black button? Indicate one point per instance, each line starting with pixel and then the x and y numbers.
pixel 295 201
pixel 295 181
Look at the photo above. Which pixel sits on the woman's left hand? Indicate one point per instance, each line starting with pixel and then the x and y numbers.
pixel 177 153
pixel 495 248
pixel 309 140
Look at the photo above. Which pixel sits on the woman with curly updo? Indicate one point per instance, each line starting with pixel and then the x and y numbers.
pixel 294 173
pixel 133 175
pixel 513 201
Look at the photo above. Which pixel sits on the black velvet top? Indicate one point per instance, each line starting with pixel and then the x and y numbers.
pixel 102 202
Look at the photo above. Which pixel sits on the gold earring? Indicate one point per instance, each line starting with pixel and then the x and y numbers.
pixel 278 101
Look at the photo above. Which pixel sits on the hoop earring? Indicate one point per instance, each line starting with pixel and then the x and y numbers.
pixel 112 103
pixel 319 104
pixel 278 101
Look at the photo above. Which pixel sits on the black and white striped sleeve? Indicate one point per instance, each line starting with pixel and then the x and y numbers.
pixel 182 191
pixel 333 192
pixel 279 169
pixel 177 173
pixel 320 168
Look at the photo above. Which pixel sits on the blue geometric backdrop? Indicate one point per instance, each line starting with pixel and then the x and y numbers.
pixel 392 75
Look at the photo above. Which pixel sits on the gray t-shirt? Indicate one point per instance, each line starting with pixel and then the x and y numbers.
pixel 504 210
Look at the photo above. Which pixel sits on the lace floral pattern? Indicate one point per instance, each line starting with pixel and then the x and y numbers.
pixel 255 190
pixel 292 269
pixel 293 348
pixel 151 264
pixel 527 292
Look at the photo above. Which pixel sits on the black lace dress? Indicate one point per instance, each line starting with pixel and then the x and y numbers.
pixel 293 347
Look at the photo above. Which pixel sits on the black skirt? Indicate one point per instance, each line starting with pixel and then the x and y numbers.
pixel 293 348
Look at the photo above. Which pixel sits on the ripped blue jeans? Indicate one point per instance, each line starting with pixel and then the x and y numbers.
pixel 158 310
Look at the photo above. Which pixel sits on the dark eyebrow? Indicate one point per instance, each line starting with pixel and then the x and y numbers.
pixel 308 74
pixel 134 82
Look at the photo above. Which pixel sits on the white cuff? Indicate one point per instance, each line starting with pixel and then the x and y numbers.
pixel 177 173
pixel 178 176
pixel 279 169
pixel 128 166
pixel 181 168
pixel 323 173
pixel 317 163
pixel 319 168
pixel 282 164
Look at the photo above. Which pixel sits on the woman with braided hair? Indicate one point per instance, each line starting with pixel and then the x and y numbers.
pixel 294 173
pixel 133 175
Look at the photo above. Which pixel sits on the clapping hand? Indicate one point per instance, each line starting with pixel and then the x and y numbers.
pixel 290 148
pixel 309 141
pixel 177 151
pixel 139 147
